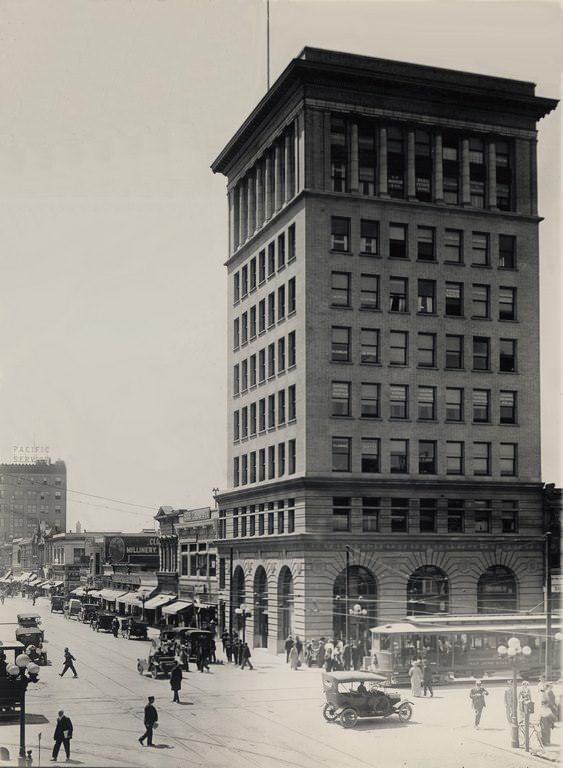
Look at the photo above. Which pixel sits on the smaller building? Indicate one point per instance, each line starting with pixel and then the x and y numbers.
pixel 197 584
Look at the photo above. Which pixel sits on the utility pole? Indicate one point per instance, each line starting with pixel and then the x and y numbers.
pixel 347 596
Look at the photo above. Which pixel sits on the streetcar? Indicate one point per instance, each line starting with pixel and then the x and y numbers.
pixel 459 646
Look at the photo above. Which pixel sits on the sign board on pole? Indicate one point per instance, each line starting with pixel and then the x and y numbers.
pixel 557 582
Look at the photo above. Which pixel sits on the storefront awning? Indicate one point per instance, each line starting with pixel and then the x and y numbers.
pixel 35 580
pixel 6 576
pixel 79 592
pixel 177 607
pixel 136 597
pixel 22 577
pixel 158 600
pixel 95 593
pixel 111 594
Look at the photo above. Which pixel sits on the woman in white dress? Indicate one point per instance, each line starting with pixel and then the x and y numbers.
pixel 415 674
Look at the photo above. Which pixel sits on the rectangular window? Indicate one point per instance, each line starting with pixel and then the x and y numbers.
pixel 480 249
pixel 262 414
pixel 370 514
pixel 507 355
pixel 453 246
pixel 253 273
pixel 367 158
pixel 281 407
pixel 370 408
pixel 483 515
pixel 481 458
pixel 369 292
pixel 244 421
pixel 340 234
pixel 507 403
pixel 454 351
pixel 281 251
pixel 291 457
pixel 271 526
pixel 244 376
pixel 425 244
pixel 244 470
pixel 252 370
pixel 244 328
pixel 271 462
pixel 271 259
pixel 480 301
pixel 370 454
pixel 454 457
pixel 341 454
pixel 271 309
pixel 455 515
pixel 428 514
pixel 506 252
pixel 252 322
pixel 426 350
pixel 281 302
pixel 291 350
pixel 236 425
pixel 236 333
pixel 503 175
pixel 262 464
pixel 426 402
pixel 509 516
pixel 427 457
pixel 368 237
pixel 281 354
pixel 338 154
pixel 451 168
pixel 398 401
pixel 252 425
pixel 396 162
pixel 508 455
pixel 340 345
pixel 423 165
pixel 341 398
pixel 399 515
pixel 398 353
pixel 261 266
pixel 399 456
pixel 244 281
pixel 271 411
pixel 281 518
pixel 481 353
pixel 341 511
pixel 398 287
pixel 426 296
pixel 477 172
pixel 506 303
pixel 481 406
pixel 454 299
pixel 236 287
pixel 271 360
pixel 340 289
pixel 398 241
pixel 262 316
pixel 291 403
pixel 253 472
pixel 291 244
pixel 262 365
pixel 454 404
pixel 236 379
pixel 291 296
pixel 281 459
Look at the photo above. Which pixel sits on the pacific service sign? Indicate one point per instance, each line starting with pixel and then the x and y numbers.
pixel 132 549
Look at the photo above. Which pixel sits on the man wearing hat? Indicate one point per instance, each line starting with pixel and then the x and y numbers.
pixel 151 718
pixel 477 695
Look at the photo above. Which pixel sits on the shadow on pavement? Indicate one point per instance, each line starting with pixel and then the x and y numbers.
pixel 162 746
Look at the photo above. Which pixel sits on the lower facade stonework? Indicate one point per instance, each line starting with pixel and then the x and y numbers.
pixel 313 588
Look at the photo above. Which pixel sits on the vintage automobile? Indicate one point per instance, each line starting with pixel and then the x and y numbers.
pixel 12 690
pixel 37 654
pixel 57 603
pixel 312 650
pixel 103 621
pixel 73 608
pixel 159 662
pixel 29 619
pixel 354 695
pixel 30 636
pixel 87 611
pixel 190 638
pixel 132 627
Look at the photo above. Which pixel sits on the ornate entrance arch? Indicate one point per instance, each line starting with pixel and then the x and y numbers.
pixel 285 603
pixel 362 602
pixel 428 591
pixel 260 608
pixel 496 591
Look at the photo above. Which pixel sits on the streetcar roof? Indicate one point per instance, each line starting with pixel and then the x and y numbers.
pixel 471 624
pixel 354 677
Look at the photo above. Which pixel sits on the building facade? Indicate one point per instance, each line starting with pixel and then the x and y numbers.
pixel 383 391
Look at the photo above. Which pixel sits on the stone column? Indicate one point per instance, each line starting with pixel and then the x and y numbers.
pixel 268 201
pixel 278 191
pixel 491 175
pixel 382 189
pixel 259 194
pixel 438 169
pixel 465 184
pixel 250 204
pixel 232 233
pixel 411 174
pixel 354 158
pixel 288 153
pixel 242 211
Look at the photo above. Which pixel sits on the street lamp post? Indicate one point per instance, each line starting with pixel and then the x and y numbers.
pixel 356 611
pixel 244 613
pixel 513 652
pixel 18 681
pixel 347 595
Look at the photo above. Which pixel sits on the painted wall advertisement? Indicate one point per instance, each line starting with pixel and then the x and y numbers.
pixel 132 549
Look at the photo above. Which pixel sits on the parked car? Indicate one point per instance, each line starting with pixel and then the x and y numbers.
pixel 29 619
pixel 73 608
pixel 87 611
pixel 30 635
pixel 57 603
pixel 103 621
pixel 132 627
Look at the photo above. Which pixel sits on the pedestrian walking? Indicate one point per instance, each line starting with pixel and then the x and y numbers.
pixel 228 646
pixel 427 678
pixel 509 701
pixel 524 699
pixel 294 662
pixel 62 735
pixel 236 651
pixel 415 674
pixel 151 722
pixel 176 681
pixel 115 626
pixel 69 658
pixel 477 695
pixel 245 655
pixel 299 645
pixel 202 653
pixel 288 647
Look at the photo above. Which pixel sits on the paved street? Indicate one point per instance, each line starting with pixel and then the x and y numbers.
pixel 267 718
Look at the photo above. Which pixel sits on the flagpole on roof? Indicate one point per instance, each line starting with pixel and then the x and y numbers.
pixel 268 43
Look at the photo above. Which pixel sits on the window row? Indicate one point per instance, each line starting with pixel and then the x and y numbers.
pixel 425 354
pixel 273 517
pixel 269 412
pixel 478 301
pixel 275 307
pixel 455 401
pixel 269 261
pixel 402 456
pixel 404 162
pixel 401 515
pixel 267 463
pixel 277 357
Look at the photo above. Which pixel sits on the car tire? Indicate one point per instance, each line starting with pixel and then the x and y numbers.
pixel 329 713
pixel 348 718
pixel 405 713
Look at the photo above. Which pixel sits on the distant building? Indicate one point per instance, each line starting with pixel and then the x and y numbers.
pixel 383 385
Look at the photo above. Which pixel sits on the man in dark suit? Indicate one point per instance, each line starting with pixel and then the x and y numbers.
pixel 69 658
pixel 151 719
pixel 62 735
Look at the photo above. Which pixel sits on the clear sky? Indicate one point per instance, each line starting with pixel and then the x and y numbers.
pixel 113 229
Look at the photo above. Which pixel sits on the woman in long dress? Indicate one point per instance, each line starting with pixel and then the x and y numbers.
pixel 415 674
pixel 294 658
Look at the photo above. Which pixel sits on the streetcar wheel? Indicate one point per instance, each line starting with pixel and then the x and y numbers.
pixel 349 718
pixel 329 713
pixel 405 713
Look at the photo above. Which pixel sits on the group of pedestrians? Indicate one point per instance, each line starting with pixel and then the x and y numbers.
pixel 236 650
pixel 294 652
pixel 543 705
pixel 420 674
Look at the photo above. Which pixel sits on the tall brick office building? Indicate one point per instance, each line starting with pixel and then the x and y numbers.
pixel 383 395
